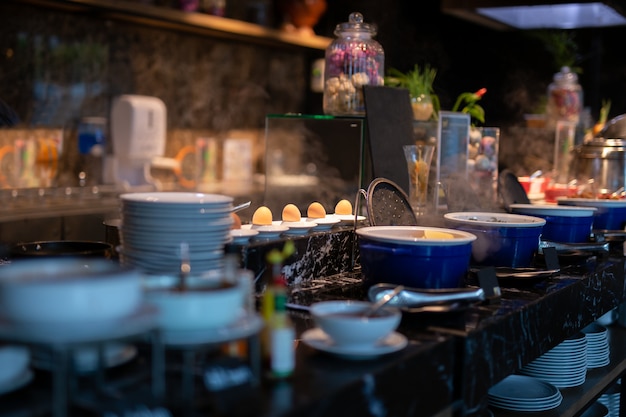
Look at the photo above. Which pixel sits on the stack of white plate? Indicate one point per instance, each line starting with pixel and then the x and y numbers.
pixel 156 225
pixel 564 366
pixel 524 393
pixel 611 399
pixel 598 349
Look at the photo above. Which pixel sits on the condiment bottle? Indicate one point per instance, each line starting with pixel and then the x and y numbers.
pixel 565 98
pixel 352 60
pixel 282 336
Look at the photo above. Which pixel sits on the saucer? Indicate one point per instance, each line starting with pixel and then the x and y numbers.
pixel 299 228
pixel 317 339
pixel 348 218
pixel 242 236
pixel 267 232
pixel 325 223
pixel 86 358
pixel 18 382
pixel 243 328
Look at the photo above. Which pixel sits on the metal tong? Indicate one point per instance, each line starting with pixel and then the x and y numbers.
pixel 412 298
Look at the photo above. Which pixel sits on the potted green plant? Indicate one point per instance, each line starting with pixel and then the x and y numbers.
pixel 419 82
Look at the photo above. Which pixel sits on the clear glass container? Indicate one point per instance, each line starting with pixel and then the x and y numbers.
pixel 565 98
pixel 353 59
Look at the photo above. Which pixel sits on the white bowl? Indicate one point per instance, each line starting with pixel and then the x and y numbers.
pixel 343 322
pixel 198 308
pixel 68 290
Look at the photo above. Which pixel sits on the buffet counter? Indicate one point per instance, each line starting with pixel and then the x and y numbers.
pixel 446 369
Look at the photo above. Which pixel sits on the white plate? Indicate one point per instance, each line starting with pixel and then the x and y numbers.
pixel 299 228
pixel 524 393
pixel 86 358
pixel 244 327
pixel 242 236
pixel 18 382
pixel 553 210
pixel 317 339
pixel 325 223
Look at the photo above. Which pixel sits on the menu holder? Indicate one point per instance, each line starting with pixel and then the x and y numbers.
pixel 551 258
pixel 390 126
pixel 488 281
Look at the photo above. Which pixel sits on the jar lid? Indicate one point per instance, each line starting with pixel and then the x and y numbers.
pixel 565 75
pixel 355 24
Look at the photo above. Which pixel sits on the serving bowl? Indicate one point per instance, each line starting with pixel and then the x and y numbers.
pixel 567 224
pixel 503 239
pixel 68 290
pixel 414 256
pixel 610 214
pixel 204 305
pixel 344 321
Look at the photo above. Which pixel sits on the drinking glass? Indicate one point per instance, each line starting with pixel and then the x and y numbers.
pixel 418 159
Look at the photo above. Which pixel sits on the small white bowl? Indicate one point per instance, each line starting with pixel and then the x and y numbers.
pixel 344 323
pixel 201 307
pixel 68 290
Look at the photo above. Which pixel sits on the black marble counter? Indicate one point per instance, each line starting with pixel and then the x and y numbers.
pixel 447 368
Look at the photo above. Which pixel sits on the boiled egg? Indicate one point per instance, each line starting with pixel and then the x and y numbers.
pixel 236 221
pixel 316 210
pixel 262 217
pixel 343 207
pixel 291 213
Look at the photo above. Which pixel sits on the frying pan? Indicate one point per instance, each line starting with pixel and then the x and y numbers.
pixel 80 248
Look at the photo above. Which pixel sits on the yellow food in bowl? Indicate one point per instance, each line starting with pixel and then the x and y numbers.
pixel 435 234
pixel 343 207
pixel 291 213
pixel 262 217
pixel 316 211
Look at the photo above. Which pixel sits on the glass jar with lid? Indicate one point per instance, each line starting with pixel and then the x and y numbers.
pixel 353 59
pixel 565 98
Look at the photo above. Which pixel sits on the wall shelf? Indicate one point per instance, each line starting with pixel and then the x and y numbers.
pixel 199 23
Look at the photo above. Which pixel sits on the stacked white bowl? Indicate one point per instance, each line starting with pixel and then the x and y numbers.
pixel 156 225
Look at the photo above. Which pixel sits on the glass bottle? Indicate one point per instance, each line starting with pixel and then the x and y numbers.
pixel 92 148
pixel 282 336
pixel 353 60
pixel 565 98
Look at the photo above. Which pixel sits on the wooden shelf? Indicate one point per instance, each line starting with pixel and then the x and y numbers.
pixel 200 23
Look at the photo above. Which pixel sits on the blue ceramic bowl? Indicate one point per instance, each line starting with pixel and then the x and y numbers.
pixel 610 214
pixel 414 256
pixel 567 224
pixel 503 239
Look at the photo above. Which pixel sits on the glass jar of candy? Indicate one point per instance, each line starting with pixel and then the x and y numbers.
pixel 565 98
pixel 353 59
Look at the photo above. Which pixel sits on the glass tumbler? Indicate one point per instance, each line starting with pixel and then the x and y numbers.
pixel 418 159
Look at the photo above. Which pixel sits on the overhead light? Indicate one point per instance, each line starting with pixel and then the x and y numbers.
pixel 534 14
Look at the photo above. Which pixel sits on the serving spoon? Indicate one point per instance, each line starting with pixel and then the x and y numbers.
pixel 388 296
